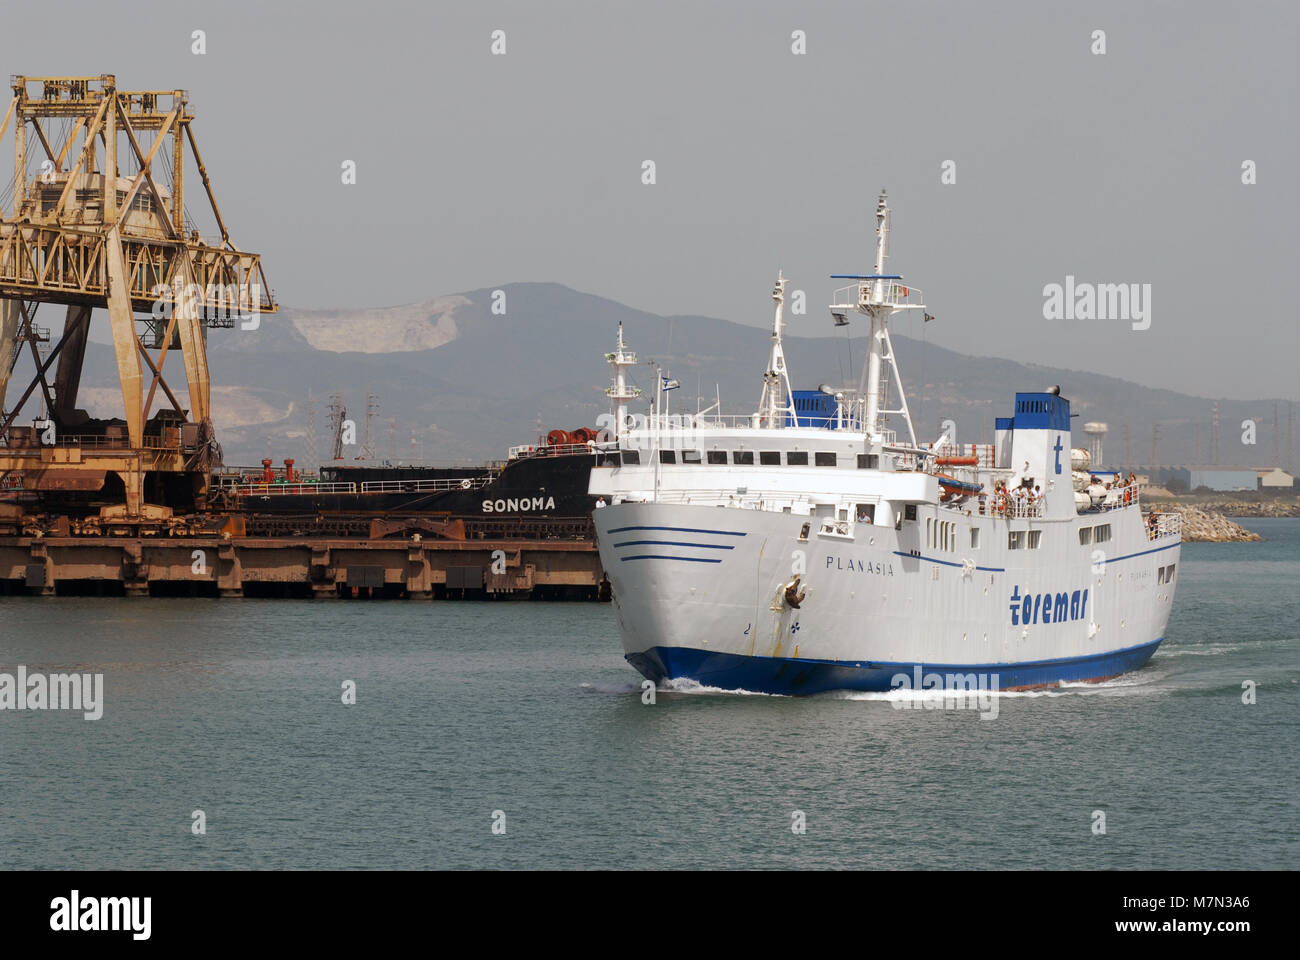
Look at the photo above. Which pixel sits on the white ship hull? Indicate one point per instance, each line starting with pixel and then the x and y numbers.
pixel 698 593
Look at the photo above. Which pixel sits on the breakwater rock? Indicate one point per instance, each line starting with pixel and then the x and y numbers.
pixel 1208 526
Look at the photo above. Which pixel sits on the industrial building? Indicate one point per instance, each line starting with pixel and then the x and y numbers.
pixel 1226 479
pixel 1275 478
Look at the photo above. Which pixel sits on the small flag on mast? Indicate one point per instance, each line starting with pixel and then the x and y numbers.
pixel 670 384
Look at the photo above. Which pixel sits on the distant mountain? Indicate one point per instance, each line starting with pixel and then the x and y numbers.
pixel 466 383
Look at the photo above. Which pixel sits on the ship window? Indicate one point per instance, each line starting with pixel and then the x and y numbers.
pixel 909 511
pixel 868 461
pixel 797 458
pixel 929 532
pixel 825 459
pixel 1085 536
pixel 1035 539
pixel 1102 533
pixel 769 458
pixel 631 457
pixel 717 456
pixel 742 457
pixel 1016 540
pixel 974 538
pixel 667 456
pixel 690 456
pixel 803 531
pixel 866 513
pixel 1169 577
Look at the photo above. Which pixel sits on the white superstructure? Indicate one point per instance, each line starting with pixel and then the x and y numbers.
pixel 805 547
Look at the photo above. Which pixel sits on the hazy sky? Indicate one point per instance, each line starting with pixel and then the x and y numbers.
pixel 475 170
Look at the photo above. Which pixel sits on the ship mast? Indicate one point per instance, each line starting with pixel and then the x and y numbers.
pixel 774 398
pixel 620 393
pixel 879 296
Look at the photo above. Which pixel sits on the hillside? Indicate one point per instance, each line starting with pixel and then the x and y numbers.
pixel 466 384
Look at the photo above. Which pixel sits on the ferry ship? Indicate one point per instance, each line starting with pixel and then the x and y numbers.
pixel 807 547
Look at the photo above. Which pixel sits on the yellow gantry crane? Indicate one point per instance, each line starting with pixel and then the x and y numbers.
pixel 98 219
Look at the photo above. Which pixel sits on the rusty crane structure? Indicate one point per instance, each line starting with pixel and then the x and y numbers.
pixel 98 220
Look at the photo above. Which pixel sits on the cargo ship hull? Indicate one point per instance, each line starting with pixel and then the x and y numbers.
pixel 544 486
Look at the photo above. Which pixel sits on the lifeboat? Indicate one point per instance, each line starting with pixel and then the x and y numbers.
pixel 952 485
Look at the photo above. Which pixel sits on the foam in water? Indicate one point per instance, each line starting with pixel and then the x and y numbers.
pixel 615 688
pixel 683 685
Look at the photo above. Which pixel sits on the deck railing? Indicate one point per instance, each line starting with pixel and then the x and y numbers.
pixel 892 293
pixel 1166 525
pixel 291 489
pixel 370 486
pixel 1012 508
pixel 425 486
pixel 670 423
pixel 94 441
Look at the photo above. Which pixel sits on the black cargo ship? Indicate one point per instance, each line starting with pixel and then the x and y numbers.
pixel 547 480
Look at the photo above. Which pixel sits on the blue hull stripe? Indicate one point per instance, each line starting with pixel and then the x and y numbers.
pixel 947 563
pixel 790 677
pixel 717 533
pixel 655 556
pixel 675 543
pixel 1145 552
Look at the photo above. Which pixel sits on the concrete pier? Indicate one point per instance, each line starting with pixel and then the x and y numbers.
pixel 296 567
